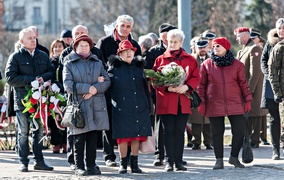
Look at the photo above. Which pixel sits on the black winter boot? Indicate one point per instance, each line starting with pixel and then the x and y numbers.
pixel 276 154
pixel 123 165
pixel 134 164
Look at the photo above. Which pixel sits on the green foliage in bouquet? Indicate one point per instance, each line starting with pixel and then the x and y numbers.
pixel 168 75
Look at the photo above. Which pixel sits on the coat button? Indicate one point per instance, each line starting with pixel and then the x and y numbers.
pixel 134 92
pixel 137 120
pixel 136 106
pixel 133 78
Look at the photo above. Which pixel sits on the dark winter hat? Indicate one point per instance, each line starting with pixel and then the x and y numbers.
pixel 209 34
pixel 66 33
pixel 201 42
pixel 125 45
pixel 254 33
pixel 166 27
pixel 223 42
pixel 83 37
pixel 240 30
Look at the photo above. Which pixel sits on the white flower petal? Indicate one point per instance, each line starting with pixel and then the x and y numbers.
pixel 55 88
pixel 43 99
pixel 35 84
pixel 52 99
pixel 36 95
pixel 56 101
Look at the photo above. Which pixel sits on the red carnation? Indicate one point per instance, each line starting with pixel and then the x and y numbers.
pixel 51 106
pixel 31 110
pixel 43 105
pixel 37 115
pixel 48 113
pixel 33 101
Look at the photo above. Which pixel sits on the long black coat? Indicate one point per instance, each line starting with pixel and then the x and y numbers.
pixel 130 98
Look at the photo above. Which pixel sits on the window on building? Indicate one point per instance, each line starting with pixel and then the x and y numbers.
pixel 18 13
pixel 37 19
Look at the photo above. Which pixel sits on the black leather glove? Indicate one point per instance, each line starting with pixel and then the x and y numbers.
pixel 278 99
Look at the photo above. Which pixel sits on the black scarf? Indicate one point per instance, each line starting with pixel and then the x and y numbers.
pixel 225 60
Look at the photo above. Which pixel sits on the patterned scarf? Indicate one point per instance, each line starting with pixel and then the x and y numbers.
pixel 225 60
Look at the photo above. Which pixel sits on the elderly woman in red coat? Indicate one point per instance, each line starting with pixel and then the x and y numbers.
pixel 172 104
pixel 224 91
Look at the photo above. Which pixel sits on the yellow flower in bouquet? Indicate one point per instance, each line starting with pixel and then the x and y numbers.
pixel 169 75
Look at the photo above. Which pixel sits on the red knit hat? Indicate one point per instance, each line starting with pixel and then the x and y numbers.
pixel 83 37
pixel 125 45
pixel 223 42
pixel 240 30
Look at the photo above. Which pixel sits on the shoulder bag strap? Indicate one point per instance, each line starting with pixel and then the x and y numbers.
pixel 74 94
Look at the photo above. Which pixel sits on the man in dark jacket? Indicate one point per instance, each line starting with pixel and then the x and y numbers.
pixel 109 45
pixel 23 67
pixel 152 54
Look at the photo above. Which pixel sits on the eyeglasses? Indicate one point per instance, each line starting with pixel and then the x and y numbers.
pixel 216 46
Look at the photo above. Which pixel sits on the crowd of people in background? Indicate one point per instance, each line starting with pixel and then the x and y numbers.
pixel 121 105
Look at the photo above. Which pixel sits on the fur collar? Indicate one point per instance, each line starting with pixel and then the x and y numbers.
pixel 116 61
pixel 272 37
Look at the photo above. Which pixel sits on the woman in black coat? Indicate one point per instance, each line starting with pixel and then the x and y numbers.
pixel 58 137
pixel 130 104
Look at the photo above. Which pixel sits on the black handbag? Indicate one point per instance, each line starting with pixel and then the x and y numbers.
pixel 195 99
pixel 72 114
pixel 247 154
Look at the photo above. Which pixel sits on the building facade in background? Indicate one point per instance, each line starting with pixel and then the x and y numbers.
pixel 50 16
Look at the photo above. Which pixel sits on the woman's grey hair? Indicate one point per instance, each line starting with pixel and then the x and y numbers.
pixel 176 33
pixel 125 17
pixel 280 21
pixel 146 41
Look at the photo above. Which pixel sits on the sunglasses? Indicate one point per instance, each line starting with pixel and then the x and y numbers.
pixel 216 46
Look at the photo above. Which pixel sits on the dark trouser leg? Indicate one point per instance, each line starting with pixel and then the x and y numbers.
pixel 54 132
pixel 23 137
pixel 274 124
pixel 263 128
pixel 79 147
pixel 196 133
pixel 255 122
pixel 206 131
pixel 36 144
pixel 108 142
pixel 91 148
pixel 238 133
pixel 159 133
pixel 168 124
pixel 174 126
pixel 64 136
pixel 70 148
pixel 180 124
pixel 218 129
pixel 100 139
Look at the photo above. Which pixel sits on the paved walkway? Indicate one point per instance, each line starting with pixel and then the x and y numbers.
pixel 200 163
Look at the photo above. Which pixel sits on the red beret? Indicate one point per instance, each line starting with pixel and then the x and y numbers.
pixel 240 30
pixel 223 42
pixel 125 45
pixel 83 37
